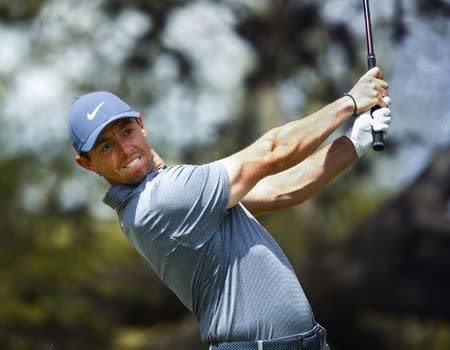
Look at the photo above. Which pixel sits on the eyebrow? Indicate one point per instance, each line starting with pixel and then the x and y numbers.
pixel 102 139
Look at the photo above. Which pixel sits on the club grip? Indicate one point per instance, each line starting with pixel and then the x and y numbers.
pixel 378 139
pixel 371 61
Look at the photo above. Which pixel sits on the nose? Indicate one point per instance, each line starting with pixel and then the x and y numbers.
pixel 123 149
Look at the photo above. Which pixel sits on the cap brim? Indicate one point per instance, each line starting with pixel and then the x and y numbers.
pixel 90 142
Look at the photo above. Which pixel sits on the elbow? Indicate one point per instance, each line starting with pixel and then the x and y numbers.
pixel 280 155
pixel 267 152
pixel 273 149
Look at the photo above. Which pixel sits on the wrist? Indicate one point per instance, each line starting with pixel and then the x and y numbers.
pixel 347 106
pixel 360 149
pixel 355 106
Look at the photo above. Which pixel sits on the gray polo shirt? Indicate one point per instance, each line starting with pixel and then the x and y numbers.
pixel 221 263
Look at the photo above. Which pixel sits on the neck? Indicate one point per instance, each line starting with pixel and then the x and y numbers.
pixel 158 163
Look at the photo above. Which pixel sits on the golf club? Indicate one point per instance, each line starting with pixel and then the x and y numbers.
pixel 378 142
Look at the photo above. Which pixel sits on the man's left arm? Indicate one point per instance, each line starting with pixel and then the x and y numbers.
pixel 297 184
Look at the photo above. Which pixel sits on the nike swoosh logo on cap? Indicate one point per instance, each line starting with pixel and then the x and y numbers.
pixel 91 116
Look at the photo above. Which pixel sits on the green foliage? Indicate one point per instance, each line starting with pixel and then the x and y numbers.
pixel 47 260
pixel 20 10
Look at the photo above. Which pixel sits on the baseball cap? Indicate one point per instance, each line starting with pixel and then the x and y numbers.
pixel 91 113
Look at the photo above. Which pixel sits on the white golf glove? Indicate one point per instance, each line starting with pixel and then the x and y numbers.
pixel 361 131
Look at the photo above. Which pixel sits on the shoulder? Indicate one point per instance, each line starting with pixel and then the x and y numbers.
pixel 178 185
pixel 188 176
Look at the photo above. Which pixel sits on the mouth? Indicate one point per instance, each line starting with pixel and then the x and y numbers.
pixel 133 163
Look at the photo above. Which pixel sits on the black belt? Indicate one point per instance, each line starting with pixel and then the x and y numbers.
pixel 313 340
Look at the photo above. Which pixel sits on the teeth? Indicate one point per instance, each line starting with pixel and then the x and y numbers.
pixel 132 164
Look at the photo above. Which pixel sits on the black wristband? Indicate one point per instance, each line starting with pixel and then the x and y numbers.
pixel 355 107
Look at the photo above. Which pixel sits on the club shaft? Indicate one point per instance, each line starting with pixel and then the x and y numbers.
pixel 378 141
pixel 371 59
pixel 368 23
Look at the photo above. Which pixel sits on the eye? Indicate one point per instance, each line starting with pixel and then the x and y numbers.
pixel 128 131
pixel 106 146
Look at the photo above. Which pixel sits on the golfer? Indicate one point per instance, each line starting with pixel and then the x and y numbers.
pixel 195 224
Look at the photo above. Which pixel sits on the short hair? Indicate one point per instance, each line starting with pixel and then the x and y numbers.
pixel 85 155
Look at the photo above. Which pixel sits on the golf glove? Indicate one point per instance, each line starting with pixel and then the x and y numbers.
pixel 361 131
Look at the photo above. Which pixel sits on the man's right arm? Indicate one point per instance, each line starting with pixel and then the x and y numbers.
pixel 284 147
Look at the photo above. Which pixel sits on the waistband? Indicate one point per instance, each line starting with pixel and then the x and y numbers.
pixel 315 339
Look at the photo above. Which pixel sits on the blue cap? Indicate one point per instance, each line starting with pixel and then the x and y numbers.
pixel 93 112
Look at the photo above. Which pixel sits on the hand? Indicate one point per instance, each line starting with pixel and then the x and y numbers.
pixel 361 131
pixel 370 90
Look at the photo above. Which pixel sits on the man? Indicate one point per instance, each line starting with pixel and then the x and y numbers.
pixel 194 224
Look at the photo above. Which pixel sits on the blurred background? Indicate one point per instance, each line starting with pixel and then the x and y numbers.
pixel 371 251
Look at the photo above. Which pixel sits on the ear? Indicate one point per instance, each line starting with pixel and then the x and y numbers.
pixel 141 125
pixel 85 163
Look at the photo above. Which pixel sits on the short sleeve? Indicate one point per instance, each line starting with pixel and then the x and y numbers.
pixel 187 202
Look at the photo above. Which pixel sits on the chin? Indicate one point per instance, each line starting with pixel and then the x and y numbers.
pixel 133 176
pixel 136 178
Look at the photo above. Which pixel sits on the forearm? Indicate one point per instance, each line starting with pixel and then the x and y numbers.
pixel 297 140
pixel 297 184
pixel 282 148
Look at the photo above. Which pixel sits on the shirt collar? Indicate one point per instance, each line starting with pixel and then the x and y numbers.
pixel 118 194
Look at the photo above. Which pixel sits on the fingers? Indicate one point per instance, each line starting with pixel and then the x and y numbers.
pixel 376 126
pixel 370 90
pixel 379 88
pixel 377 79
pixel 383 99
pixel 382 83
pixel 381 93
pixel 379 127
pixel 382 113
pixel 387 101
pixel 381 102
pixel 381 119
pixel 376 72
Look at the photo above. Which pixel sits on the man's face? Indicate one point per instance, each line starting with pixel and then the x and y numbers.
pixel 121 153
